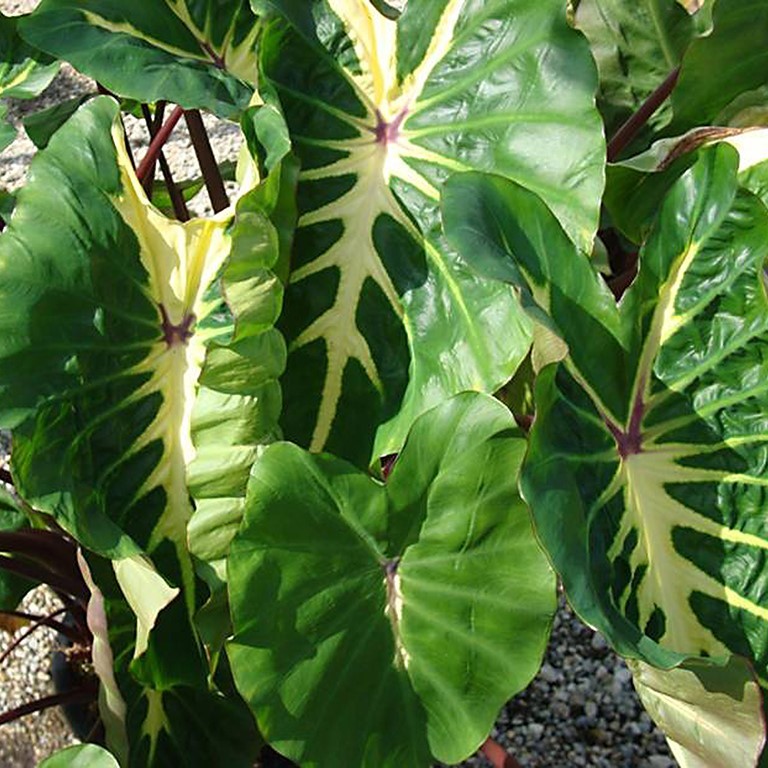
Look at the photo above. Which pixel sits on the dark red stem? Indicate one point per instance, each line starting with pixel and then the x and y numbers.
pixel 208 165
pixel 24 635
pixel 82 694
pixel 387 465
pixel 629 130
pixel 157 144
pixel 177 199
pixel 498 755
pixel 71 632
pixel 39 573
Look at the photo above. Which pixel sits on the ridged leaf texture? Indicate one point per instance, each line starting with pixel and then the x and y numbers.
pixel 197 54
pixel 378 624
pixel 138 362
pixel 646 469
pixel 383 321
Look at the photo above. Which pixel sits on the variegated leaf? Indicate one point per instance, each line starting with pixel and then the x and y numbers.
pixel 636 186
pixel 646 470
pixel 381 317
pixel 711 714
pixel 636 46
pixel 138 362
pixel 378 624
pixel 197 54
pixel 24 72
pixel 162 709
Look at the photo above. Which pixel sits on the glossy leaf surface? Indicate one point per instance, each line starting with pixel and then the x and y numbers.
pixel 645 470
pixel 382 319
pixel 81 756
pixel 378 624
pixel 712 715
pixel 722 68
pixel 138 358
pixel 197 54
pixel 636 46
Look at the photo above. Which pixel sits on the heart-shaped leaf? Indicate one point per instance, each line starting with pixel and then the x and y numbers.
pixel 378 624
pixel 381 318
pixel 137 355
pixel 197 54
pixel 646 464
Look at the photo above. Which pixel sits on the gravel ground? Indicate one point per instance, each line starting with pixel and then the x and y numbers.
pixel 581 710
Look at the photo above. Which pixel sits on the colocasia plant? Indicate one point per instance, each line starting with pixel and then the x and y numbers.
pixel 288 508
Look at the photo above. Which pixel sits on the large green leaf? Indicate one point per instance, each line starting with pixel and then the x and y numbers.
pixel 382 319
pixel 377 624
pixel 636 186
pixel 646 464
pixel 712 715
pixel 138 361
pixel 721 69
pixel 197 54
pixel 161 710
pixel 81 756
pixel 636 46
pixel 24 72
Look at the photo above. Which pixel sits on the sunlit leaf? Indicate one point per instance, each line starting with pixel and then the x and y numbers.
pixel 711 714
pixel 378 624
pixel 197 54
pixel 646 464
pixel 382 319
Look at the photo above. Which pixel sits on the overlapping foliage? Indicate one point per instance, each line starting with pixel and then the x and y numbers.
pixel 422 194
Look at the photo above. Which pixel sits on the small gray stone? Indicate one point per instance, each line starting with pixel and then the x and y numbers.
pixel 548 673
pixel 599 643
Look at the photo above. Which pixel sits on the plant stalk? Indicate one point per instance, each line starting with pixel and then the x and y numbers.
pixel 24 635
pixel 632 126
pixel 157 144
pixel 498 755
pixel 38 573
pixel 207 160
pixel 177 199
pixel 64 629
pixel 75 696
